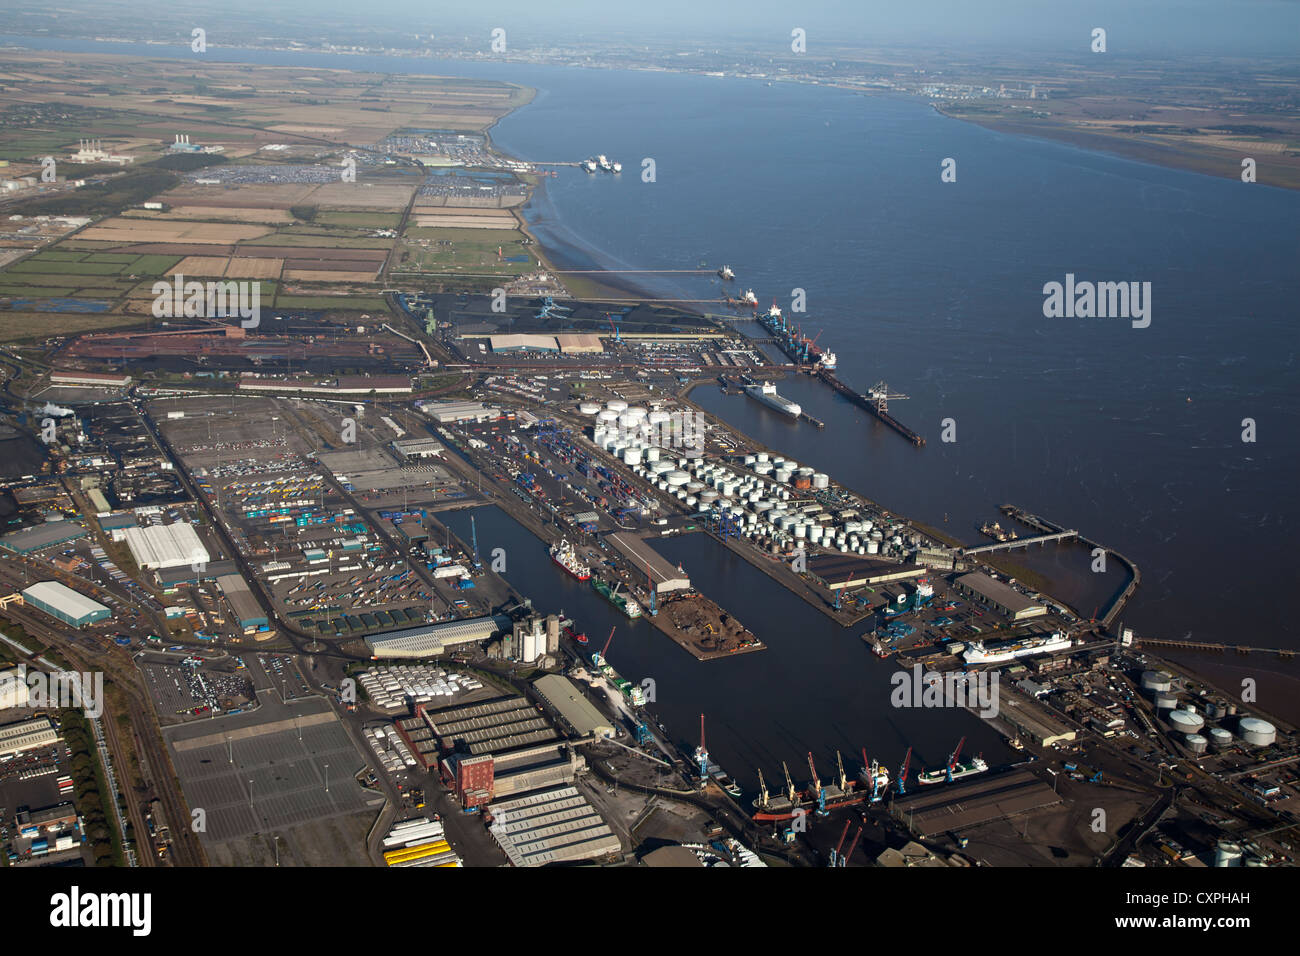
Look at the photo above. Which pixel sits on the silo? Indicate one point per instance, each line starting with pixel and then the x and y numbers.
pixel 1256 732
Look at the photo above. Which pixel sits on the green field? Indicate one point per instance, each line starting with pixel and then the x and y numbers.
pixel 348 303
pixel 360 220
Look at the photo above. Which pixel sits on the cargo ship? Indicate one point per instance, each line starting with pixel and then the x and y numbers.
pixel 624 604
pixel 564 555
pixel 954 769
pixel 576 636
pixel 723 780
pixel 747 301
pixel 796 346
pixel 997 532
pixel 817 798
pixel 766 393
pixel 726 273
pixel 996 653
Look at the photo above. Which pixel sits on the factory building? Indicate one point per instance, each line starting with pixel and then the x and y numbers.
pixel 247 611
pixel 1033 720
pixel 31 540
pixel 1003 598
pixel 164 546
pixel 27 735
pixel 65 604
pixel 837 572
pixel 430 640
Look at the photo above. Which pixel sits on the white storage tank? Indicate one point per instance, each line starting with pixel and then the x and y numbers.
pixel 658 418
pixel 1196 743
pixel 652 454
pixel 632 456
pixel 1256 732
pixel 617 406
pixel 821 480
pixel 589 408
pixel 1220 738
pixel 1153 681
pixel 677 478
pixel 1184 721
pixel 873 547
pixel 608 415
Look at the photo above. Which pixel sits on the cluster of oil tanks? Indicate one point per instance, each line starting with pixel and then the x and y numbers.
pixel 1190 727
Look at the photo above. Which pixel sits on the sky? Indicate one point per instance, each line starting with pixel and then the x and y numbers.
pixel 1044 27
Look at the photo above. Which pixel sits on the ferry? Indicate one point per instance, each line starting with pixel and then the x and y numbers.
pixel 564 555
pixel 767 394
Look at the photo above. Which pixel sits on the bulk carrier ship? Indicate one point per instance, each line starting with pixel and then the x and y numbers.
pixel 818 798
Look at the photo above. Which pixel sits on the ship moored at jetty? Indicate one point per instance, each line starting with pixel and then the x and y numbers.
pixel 625 604
pixel 818 798
pixel 997 652
pixel 766 393
pixel 563 554
pixel 954 769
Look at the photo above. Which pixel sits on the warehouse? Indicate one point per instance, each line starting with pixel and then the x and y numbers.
pixel 65 604
pixel 579 343
pixel 837 571
pixel 666 577
pixel 430 640
pixel 1033 720
pixel 42 536
pixel 88 378
pixel 165 546
pixel 1003 598
pixel 552 826
pixel 451 412
pixel 27 735
pixel 419 448
pixel 247 611
pixel 523 343
pixel 572 706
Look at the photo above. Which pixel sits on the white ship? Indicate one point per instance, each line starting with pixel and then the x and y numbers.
pixel 603 163
pixel 589 165
pixel 766 393
pixel 726 272
pixel 564 555
pixel 957 770
pixel 827 360
pixel 977 653
pixel 618 167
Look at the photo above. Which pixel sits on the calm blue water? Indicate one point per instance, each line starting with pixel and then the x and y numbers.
pixel 936 288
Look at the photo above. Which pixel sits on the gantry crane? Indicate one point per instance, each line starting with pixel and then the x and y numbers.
pixel 880 396
pixel 902 773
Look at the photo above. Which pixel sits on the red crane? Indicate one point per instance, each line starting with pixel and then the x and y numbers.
pixel 902 773
pixel 605 649
pixel 835 854
pixel 852 846
pixel 816 781
pixel 952 761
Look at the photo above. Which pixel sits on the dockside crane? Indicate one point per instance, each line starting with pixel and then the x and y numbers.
pixel 762 790
pixel 880 396
pixel 852 846
pixel 702 756
pixel 835 853
pixel 618 338
pixel 902 773
pixel 599 659
pixel 817 787
pixel 473 534
pixel 843 780
pixel 790 792
pixel 952 759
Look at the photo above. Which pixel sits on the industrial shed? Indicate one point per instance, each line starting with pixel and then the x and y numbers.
pixel 523 343
pixel 579 343
pixel 552 826
pixel 1003 598
pixel 429 640
pixel 247 611
pixel 42 536
pixel 166 546
pixel 65 604
pixel 572 706
pixel 665 576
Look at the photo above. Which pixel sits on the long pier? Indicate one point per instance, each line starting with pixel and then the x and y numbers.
pixel 1022 542
pixel 863 402
pixel 1212 648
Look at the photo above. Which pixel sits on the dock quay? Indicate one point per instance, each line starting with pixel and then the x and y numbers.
pixel 863 402
pixel 1022 542
pixel 815 422
pixel 1052 530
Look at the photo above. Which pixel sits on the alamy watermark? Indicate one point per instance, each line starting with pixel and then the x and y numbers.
pixel 921 688
pixel 1101 300
pixel 208 300
pixel 62 689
